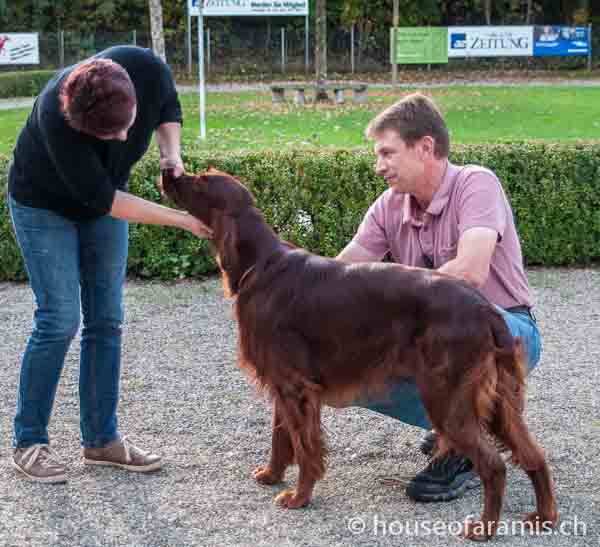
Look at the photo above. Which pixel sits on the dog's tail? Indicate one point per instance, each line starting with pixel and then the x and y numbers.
pixel 508 424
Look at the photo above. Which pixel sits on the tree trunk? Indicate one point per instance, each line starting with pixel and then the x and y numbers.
pixel 268 40
pixel 321 48
pixel 487 6
pixel 156 29
pixel 529 12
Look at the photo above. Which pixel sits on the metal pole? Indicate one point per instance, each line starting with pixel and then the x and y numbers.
pixel 590 48
pixel 283 49
pixel 188 36
pixel 306 44
pixel 208 51
pixel 201 82
pixel 134 37
pixel 352 47
pixel 61 45
pixel 395 23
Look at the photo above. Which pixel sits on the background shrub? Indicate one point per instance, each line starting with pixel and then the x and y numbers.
pixel 317 199
pixel 23 83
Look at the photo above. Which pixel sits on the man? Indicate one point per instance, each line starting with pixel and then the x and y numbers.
pixel 453 218
pixel 69 206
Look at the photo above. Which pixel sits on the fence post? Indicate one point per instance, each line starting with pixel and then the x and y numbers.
pixel 306 44
pixel 61 49
pixel 395 23
pixel 134 37
pixel 208 48
pixel 188 41
pixel 352 48
pixel 283 49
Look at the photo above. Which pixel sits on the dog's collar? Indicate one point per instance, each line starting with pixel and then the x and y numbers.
pixel 244 276
pixel 264 266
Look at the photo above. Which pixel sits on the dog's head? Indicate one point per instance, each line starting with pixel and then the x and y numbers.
pixel 208 196
pixel 219 201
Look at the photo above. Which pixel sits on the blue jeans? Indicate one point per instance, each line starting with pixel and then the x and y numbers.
pixel 73 267
pixel 403 401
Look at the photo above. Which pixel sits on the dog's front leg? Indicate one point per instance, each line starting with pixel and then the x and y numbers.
pixel 301 412
pixel 282 452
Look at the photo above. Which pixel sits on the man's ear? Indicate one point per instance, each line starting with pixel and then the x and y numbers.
pixel 427 147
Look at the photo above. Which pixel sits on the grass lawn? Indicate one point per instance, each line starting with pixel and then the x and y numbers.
pixel 473 114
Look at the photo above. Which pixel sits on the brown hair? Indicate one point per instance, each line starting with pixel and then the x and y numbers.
pixel 413 117
pixel 98 97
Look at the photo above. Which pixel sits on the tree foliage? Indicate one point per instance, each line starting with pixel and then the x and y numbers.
pixel 373 16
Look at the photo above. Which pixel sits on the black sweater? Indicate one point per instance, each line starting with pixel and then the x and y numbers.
pixel 76 175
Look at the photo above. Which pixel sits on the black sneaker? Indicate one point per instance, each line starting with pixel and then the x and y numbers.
pixel 443 479
pixel 428 443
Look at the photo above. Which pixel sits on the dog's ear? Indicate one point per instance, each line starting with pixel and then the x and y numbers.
pixel 166 182
pixel 228 254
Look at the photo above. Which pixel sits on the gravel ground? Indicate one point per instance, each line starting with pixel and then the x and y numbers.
pixel 183 396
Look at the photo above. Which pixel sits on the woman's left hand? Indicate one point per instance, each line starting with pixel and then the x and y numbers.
pixel 172 163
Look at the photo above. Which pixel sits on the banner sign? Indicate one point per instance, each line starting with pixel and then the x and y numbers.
pixel 513 41
pixel 560 41
pixel 248 7
pixel 420 45
pixel 19 49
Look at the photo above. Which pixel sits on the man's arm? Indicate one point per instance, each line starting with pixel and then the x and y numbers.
pixel 353 252
pixel 474 255
pixel 168 137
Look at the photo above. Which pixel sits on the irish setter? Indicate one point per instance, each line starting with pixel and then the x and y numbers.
pixel 314 331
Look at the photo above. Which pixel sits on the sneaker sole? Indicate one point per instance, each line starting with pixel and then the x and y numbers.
pixel 46 480
pixel 469 484
pixel 137 468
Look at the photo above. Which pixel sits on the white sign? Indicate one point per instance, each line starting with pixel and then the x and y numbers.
pixel 490 41
pixel 248 7
pixel 19 49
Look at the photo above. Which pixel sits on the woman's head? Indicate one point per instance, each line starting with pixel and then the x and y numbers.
pixel 98 98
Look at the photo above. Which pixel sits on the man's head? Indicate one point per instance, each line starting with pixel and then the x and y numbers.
pixel 98 98
pixel 410 137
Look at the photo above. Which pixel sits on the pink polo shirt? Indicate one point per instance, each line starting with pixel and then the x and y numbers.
pixel 469 197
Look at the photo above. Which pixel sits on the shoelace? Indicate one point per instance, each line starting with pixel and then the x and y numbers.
pixel 450 463
pixel 42 454
pixel 127 446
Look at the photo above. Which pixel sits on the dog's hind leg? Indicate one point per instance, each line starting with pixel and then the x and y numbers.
pixel 459 424
pixel 511 429
pixel 282 452
pixel 509 426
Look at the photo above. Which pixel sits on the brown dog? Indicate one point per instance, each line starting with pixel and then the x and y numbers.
pixel 316 331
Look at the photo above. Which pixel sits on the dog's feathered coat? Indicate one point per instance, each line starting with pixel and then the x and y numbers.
pixel 316 331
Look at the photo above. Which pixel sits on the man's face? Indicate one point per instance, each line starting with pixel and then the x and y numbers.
pixel 401 166
pixel 122 134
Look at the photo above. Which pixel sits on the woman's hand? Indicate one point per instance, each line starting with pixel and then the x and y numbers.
pixel 174 163
pixel 198 228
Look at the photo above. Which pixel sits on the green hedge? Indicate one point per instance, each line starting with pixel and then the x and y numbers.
pixel 26 83
pixel 317 199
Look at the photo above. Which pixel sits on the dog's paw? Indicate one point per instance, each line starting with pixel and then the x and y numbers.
pixel 265 475
pixel 534 523
pixel 291 499
pixel 477 530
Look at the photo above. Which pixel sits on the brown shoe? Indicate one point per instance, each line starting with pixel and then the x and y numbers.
pixel 124 454
pixel 38 463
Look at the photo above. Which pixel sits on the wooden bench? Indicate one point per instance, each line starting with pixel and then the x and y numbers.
pixel 359 92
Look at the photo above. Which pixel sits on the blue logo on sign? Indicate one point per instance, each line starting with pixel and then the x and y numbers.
pixel 458 40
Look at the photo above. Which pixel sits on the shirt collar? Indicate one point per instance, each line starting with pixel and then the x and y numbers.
pixel 439 201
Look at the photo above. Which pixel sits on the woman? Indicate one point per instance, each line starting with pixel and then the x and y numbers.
pixel 70 209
